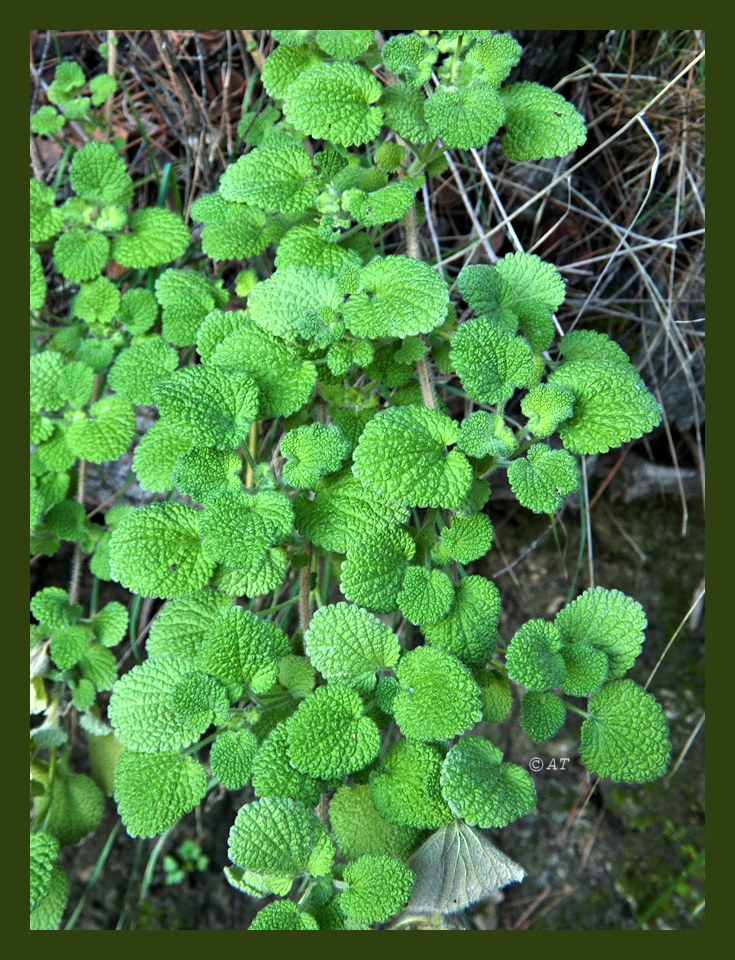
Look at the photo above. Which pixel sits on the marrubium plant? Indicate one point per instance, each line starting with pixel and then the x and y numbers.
pixel 318 477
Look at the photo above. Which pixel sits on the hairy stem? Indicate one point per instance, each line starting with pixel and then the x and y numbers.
pixel 305 591
pixel 422 366
pixel 76 564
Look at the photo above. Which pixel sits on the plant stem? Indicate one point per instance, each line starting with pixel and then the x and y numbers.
pixel 422 366
pixel 76 565
pixel 305 591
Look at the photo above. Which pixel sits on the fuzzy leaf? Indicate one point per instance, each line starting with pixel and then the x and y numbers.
pixel 139 367
pixel 156 551
pixel 280 840
pixel 539 123
pixel 240 650
pixel 373 571
pixel 328 736
pixel 237 528
pixel 533 658
pixel 312 452
pixel 211 406
pixel 348 644
pixel 425 597
pixel 182 624
pixel 378 887
pixel 155 790
pixel 333 101
pixel 438 697
pixel 625 737
pixel 98 174
pixel 456 867
pixel 406 789
pixel 481 789
pixel 359 829
pixel 156 457
pixel 612 405
pixel 397 297
pixel 542 715
pixel 470 629
pixel 543 478
pixel 231 758
pixel 142 710
pixel 156 236
pixel 81 255
pixel 401 455
pixel 490 362
pixel 274 177
pixel 106 433
pixel 466 117
pixel 607 620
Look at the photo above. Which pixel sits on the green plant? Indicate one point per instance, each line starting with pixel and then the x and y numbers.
pixel 304 448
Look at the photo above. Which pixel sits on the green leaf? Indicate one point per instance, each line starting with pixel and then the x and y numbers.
pixel 481 789
pixel 241 650
pixel 182 623
pixel 283 915
pixel 372 573
pixel 285 380
pixel 75 807
pixel 274 177
pixel 359 829
pixel 46 121
pixel 232 231
pixel 201 473
pixel 157 455
pixel 280 304
pixel 625 737
pixel 397 297
pixel 385 205
pixel 345 44
pixel 303 246
pixel 612 405
pixel 257 579
pixel 333 101
pixel 68 646
pixel 543 478
pixel 312 451
pixel 156 551
pixel 155 790
pixel 139 367
pixel 187 298
pixel 328 736
pixel 404 113
pixel 438 697
pixel 237 527
pixel 156 236
pixel 81 255
pixel 465 117
pixel 411 57
pixel 539 123
pixel 456 867
pixel 102 87
pixel 48 913
pixel 607 620
pixel 37 291
pixel 98 174
pixel 348 644
pixel 46 220
pixel 280 840
pixel 211 406
pixel 44 849
pixel 142 709
pixel 401 455
pixel 51 607
pixel 534 659
pixel 284 65
pixel 425 597
pixel 138 310
pixel 546 406
pixel 231 758
pixel 97 301
pixel 468 538
pixel 542 715
pixel 344 513
pixel 490 362
pixel 470 630
pixel 378 887
pixel 496 695
pixel 201 700
pixel 275 776
pixel 406 789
